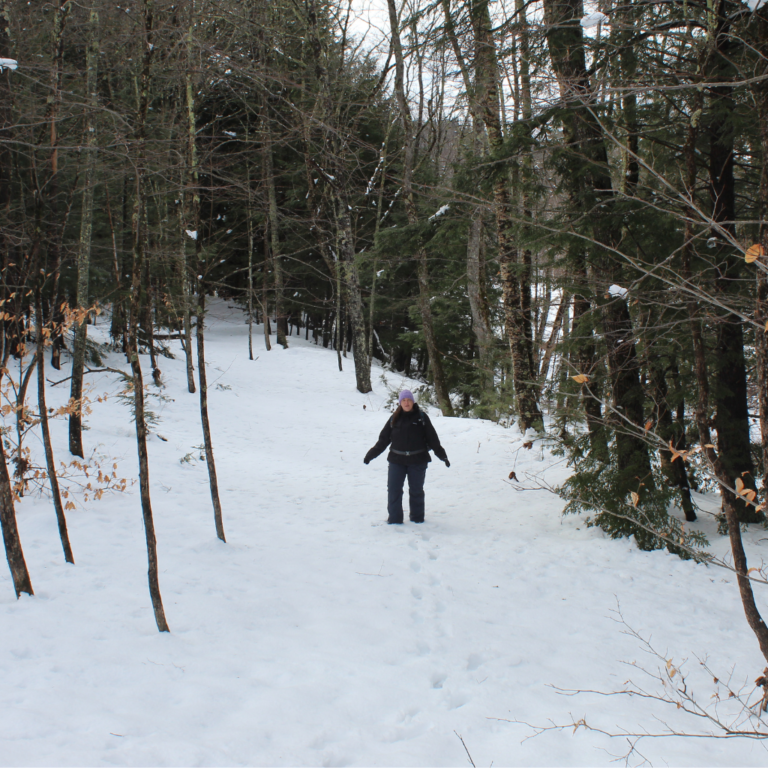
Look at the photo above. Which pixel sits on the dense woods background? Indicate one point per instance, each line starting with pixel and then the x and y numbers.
pixel 549 214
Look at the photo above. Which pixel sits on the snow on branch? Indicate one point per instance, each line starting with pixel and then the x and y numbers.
pixel 8 64
pixel 593 19
pixel 440 212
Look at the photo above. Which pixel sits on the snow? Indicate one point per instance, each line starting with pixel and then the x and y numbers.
pixel 318 635
pixel 618 291
pixel 8 64
pixel 232 134
pixel 440 212
pixel 593 19
pixel 755 5
pixel 191 233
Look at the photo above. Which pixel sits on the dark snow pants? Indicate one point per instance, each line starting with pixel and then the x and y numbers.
pixel 395 482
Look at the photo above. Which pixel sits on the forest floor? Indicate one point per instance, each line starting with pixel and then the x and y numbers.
pixel 319 635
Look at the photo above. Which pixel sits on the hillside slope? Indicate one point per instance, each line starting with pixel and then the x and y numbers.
pixel 318 635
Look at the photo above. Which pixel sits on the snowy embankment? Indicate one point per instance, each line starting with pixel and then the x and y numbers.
pixel 318 635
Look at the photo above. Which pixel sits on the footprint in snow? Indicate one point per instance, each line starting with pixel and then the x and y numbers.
pixel 415 567
pixel 438 680
pixel 456 700
pixel 416 592
pixel 474 661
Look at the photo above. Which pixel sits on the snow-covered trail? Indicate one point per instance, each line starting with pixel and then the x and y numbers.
pixel 318 635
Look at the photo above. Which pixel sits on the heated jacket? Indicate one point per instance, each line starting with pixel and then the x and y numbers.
pixel 410 439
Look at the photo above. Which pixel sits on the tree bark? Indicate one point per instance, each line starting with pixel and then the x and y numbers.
pixel 86 230
pixel 147 8
pixel 49 459
pixel 13 550
pixel 274 231
pixel 209 460
pixel 191 200
pixel 761 309
pixel 730 374
pixel 435 360
pixel 54 225
pixel 592 197
pixel 515 280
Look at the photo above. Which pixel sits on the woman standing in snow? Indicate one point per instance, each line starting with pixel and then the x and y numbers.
pixel 412 436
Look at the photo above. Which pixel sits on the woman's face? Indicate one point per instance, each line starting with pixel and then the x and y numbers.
pixel 407 404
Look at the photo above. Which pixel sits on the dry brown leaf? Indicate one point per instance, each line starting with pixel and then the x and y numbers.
pixel 528 445
pixel 739 486
pixel 635 498
pixel 513 476
pixel 648 425
pixel 580 378
pixel 750 495
pixel 754 252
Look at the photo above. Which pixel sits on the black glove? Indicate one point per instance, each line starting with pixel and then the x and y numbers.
pixel 366 460
pixel 447 463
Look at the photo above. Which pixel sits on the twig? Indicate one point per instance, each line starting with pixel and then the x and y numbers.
pixel 91 370
pixel 466 750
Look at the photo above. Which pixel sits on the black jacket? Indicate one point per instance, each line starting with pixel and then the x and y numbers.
pixel 412 436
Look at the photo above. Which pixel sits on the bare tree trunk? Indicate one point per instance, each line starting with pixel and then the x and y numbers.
pixel 249 215
pixel 338 312
pixel 49 460
pixel 379 214
pixel 11 539
pixel 761 313
pixel 54 104
pixel 435 360
pixel 274 230
pixel 592 195
pixel 515 277
pixel 478 300
pixel 731 418
pixel 86 230
pixel 191 199
pixel 147 7
pixel 352 293
pixel 13 551
pixel 209 460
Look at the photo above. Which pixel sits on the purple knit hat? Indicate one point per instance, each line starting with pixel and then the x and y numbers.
pixel 405 393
